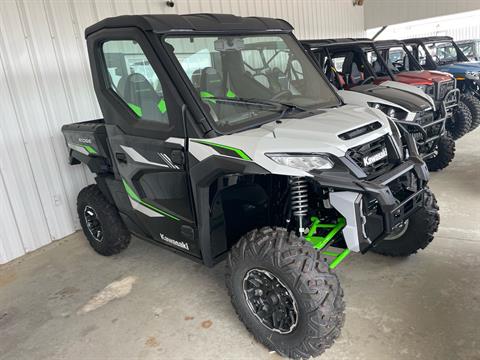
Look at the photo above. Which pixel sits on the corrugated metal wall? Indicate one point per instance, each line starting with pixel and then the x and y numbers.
pixel 45 83
pixel 459 26
pixel 387 12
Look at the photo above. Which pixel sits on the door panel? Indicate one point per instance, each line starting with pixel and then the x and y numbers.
pixel 151 168
pixel 157 185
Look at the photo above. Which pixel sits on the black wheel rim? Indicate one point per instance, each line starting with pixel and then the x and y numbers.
pixel 271 301
pixel 93 224
pixel 398 232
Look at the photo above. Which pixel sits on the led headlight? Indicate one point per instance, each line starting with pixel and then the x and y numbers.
pixel 305 162
pixel 390 111
pixel 427 89
pixel 472 75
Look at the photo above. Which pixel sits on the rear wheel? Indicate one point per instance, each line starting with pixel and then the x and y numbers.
pixel 101 223
pixel 461 121
pixel 285 293
pixel 415 234
pixel 473 105
pixel 444 153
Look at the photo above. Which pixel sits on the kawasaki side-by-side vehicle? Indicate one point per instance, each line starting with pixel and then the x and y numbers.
pixel 348 65
pixel 402 66
pixel 442 53
pixel 209 152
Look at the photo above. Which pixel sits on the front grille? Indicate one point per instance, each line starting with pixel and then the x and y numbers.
pixel 424 118
pixel 443 88
pixel 360 154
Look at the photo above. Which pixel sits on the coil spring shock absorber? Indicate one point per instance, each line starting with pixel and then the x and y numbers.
pixel 299 200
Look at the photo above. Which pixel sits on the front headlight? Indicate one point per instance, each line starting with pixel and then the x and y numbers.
pixel 305 162
pixel 472 75
pixel 390 111
pixel 427 89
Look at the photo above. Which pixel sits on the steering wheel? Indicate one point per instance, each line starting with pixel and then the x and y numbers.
pixel 365 81
pixel 280 94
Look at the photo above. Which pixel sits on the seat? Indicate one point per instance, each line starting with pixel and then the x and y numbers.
pixel 211 83
pixel 356 76
pixel 143 99
pixel 335 78
pixel 377 68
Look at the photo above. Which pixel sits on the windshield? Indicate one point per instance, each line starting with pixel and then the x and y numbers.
pixel 250 79
pixel 443 52
pixel 399 59
pixel 468 49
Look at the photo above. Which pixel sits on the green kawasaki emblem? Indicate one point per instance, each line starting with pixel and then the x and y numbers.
pixel 238 152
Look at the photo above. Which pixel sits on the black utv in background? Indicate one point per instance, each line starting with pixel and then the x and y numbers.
pixel 355 65
pixel 443 54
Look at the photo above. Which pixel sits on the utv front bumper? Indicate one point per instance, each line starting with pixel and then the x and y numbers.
pixel 428 131
pixel 373 209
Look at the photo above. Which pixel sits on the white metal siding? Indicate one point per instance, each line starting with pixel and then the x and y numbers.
pixel 387 12
pixel 459 26
pixel 45 82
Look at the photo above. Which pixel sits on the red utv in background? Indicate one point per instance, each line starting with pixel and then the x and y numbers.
pixel 403 67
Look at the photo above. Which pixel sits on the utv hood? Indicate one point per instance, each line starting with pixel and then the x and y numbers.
pixel 422 77
pixel 408 100
pixel 320 133
pixel 461 67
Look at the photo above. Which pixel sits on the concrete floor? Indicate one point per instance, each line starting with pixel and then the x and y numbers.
pixel 423 307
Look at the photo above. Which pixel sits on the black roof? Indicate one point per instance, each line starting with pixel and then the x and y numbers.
pixel 383 44
pixel 467 41
pixel 192 22
pixel 428 39
pixel 333 42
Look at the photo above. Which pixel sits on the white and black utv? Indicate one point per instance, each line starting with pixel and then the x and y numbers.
pixel 205 150
pixel 352 66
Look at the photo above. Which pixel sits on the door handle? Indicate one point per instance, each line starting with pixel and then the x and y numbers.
pixel 121 157
pixel 177 157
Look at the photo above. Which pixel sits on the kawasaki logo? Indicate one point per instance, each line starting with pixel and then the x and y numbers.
pixel 369 160
pixel 180 244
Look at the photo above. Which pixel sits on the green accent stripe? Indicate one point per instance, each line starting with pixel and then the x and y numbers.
pixel 237 151
pixel 136 109
pixel 205 95
pixel 90 149
pixel 162 106
pixel 131 193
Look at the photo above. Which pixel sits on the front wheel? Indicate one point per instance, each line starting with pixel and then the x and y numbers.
pixel 460 123
pixel 444 152
pixel 473 105
pixel 284 293
pixel 415 234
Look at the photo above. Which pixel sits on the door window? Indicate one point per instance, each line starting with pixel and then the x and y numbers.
pixel 132 78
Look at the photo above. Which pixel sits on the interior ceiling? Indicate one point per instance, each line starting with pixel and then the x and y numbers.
pixel 388 12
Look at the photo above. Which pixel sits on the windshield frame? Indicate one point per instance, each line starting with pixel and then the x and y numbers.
pixel 411 58
pixel 257 121
pixel 460 53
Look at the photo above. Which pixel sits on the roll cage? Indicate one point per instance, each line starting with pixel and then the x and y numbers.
pixel 383 46
pixel 430 62
pixel 326 51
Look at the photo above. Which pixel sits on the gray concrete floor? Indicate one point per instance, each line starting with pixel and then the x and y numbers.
pixel 423 307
